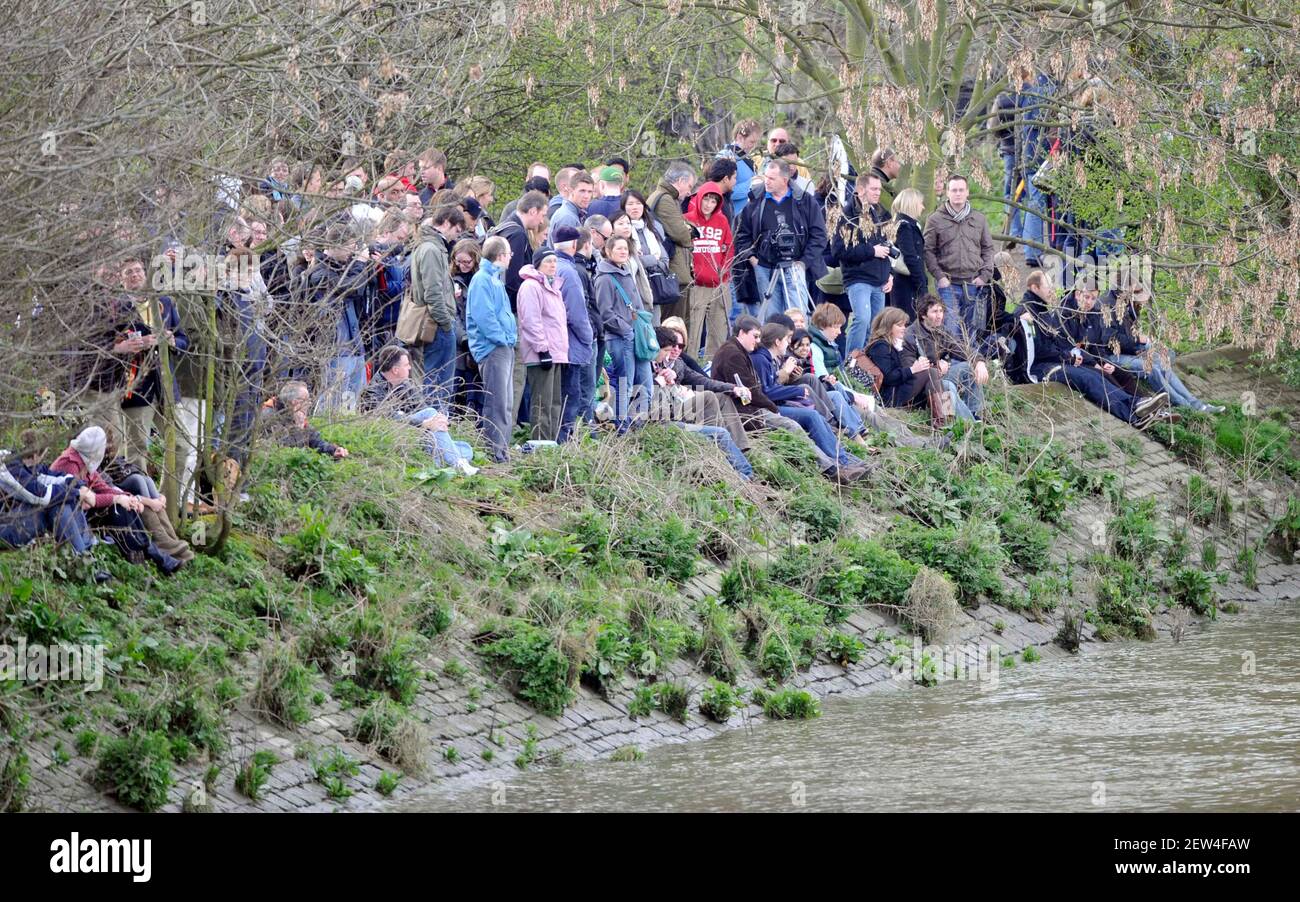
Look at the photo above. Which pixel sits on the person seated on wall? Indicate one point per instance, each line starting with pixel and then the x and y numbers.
pixel 287 423
pixel 35 501
pixel 947 352
pixel 795 400
pixel 693 396
pixel 113 510
pixel 905 385
pixel 1142 357
pixel 392 393
pixel 1040 351
pixel 732 364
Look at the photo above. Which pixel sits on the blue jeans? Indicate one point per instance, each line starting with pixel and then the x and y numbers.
pixel 970 395
pixel 723 440
pixel 440 367
pixel 967 310
pixel 1163 377
pixel 789 290
pixel 959 408
pixel 1008 189
pixel 867 301
pixel 813 423
pixel 66 522
pixel 342 381
pixel 630 380
pixel 445 449
pixel 1035 228
pixel 579 389
pixel 846 415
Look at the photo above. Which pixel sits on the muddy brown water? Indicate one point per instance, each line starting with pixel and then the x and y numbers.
pixel 1211 723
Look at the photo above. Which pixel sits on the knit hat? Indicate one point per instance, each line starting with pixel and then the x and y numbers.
pixel 611 174
pixel 90 444
pixel 564 233
pixel 541 254
pixel 472 206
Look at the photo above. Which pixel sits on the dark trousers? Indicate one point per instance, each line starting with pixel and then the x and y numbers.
pixel 1094 386
pixel 578 387
pixel 66 522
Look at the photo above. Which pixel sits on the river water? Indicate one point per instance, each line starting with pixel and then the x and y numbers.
pixel 1208 724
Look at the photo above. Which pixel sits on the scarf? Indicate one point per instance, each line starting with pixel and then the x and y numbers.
pixel 957 215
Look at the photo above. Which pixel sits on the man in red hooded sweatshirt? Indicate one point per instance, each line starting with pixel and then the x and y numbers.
pixel 712 251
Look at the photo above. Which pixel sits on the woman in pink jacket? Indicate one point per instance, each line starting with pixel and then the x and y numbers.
pixel 543 341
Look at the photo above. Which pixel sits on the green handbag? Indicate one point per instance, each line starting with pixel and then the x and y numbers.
pixel 644 343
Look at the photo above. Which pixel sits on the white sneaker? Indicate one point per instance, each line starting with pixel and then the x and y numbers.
pixel 466 468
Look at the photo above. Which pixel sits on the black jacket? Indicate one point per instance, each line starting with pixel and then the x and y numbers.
pixel 911 243
pixel 1090 332
pixel 521 253
pixel 854 247
pixel 806 221
pixel 898 387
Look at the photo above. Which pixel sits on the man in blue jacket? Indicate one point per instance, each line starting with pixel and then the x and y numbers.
pixel 578 385
pixel 493 334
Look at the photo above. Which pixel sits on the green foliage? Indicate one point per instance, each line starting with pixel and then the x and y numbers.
pixel 189 718
pixel 1206 505
pixel 642 703
pixel 387 782
pixel 793 634
pixel 255 772
pixel 15 776
pixel 821 514
pixel 674 700
pixel 434 617
pixel 1133 531
pixel 666 546
pixel 136 768
pixel 384 658
pixel 1030 655
pixel 788 704
pixel 863 572
pixel 718 700
pixel 844 649
pixel 783 460
pixel 1025 540
pixel 332 769
pixel 85 742
pixel 627 753
pixel 719 652
pixel 316 555
pixel 1125 598
pixel 970 556
pixel 1248 566
pixel 741 583
pixel 451 754
pixel 1193 588
pixel 1048 492
pixel 528 753
pixel 284 687
pixel 1285 532
pixel 532 658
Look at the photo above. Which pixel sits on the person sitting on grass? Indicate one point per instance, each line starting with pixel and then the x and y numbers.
pixel 128 477
pixel 287 423
pixel 905 385
pixel 927 337
pixel 112 509
pixel 34 502
pixel 392 393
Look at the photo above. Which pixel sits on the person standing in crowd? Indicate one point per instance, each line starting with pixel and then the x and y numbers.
pixel 864 254
pixel 1033 146
pixel 432 289
pixel 665 203
pixel 744 138
pixel 538 179
pixel 609 182
pixel 619 300
pixel 959 254
pixel 392 269
pixel 790 154
pixel 432 166
pixel 775 138
pixel 483 191
pixel 527 217
pixel 573 210
pixel 649 244
pixel 724 173
pixel 782 235
pixel 885 165
pixel 1002 127
pixel 493 334
pixel 578 381
pixel 337 286
pixel 908 238
pixel 465 257
pixel 712 249
pixel 544 342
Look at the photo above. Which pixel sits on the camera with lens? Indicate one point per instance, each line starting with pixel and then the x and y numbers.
pixel 783 244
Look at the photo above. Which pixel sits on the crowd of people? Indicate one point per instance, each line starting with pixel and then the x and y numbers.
pixel 726 301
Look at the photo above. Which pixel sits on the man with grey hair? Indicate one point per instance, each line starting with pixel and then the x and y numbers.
pixel 665 202
pixel 781 233
pixel 287 424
